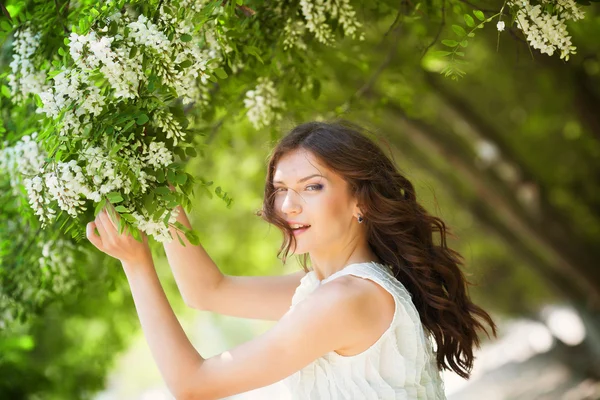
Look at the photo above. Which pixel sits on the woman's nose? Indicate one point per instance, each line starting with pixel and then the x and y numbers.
pixel 291 203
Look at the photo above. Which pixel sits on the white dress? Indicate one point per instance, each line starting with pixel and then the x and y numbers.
pixel 399 365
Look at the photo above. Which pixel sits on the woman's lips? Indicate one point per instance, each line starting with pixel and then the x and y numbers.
pixel 300 231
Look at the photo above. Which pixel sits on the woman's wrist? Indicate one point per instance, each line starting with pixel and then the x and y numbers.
pixel 143 262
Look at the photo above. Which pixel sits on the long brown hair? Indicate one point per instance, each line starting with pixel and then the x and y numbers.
pixel 399 231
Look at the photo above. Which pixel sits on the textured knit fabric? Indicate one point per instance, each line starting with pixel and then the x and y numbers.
pixel 399 365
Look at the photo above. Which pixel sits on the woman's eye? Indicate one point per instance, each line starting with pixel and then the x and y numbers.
pixel 314 187
pixel 277 190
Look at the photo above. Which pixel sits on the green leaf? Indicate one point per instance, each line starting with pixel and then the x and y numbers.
pixel 121 209
pixel 459 30
pixel 114 197
pixel 220 72
pixel 133 52
pixel 471 34
pixel 190 151
pixel 479 15
pixel 142 119
pixel 113 28
pixel 460 53
pixel 99 206
pixel 450 43
pixel 5 26
pixel 180 240
pixel 160 176
pixel 171 176
pixel 464 43
pixel 186 38
pixel 181 178
pixel 254 51
pixel 469 20
pixel 186 64
pixel 192 238
pixel 5 91
pixel 162 190
pixel 441 53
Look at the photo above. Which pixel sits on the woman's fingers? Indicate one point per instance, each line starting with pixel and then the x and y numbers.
pixel 112 216
pixel 102 228
pixel 92 236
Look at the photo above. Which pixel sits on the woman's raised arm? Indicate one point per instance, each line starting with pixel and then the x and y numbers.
pixel 204 287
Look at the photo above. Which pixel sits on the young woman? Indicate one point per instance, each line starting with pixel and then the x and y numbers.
pixel 360 323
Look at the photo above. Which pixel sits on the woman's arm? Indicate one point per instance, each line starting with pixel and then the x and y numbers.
pixel 204 287
pixel 174 354
pixel 196 274
pixel 332 318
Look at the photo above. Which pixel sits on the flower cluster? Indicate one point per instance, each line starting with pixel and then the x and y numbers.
pixel 168 124
pixel 263 104
pixel 544 31
pixel 56 258
pixel 124 73
pixel 156 227
pixel 110 65
pixel 158 155
pixel 71 86
pixel 315 15
pixel 25 79
pixel 293 33
pixel 24 159
pixel 53 274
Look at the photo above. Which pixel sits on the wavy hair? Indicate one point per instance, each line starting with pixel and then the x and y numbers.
pixel 399 231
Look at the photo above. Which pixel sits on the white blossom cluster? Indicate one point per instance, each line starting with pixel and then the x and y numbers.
pixel 158 156
pixel 53 275
pixel 292 34
pixel 25 79
pixel 544 31
pixel 124 73
pixel 168 124
pixel 71 86
pixel 56 260
pixel 315 15
pixel 24 159
pixel 156 228
pixel 74 100
pixel 263 104
pixel 104 174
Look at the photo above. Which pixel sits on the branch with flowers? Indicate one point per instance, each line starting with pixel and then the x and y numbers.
pixel 543 23
pixel 112 110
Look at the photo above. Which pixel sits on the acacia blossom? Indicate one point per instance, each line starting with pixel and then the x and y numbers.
pixel 544 31
pixel 263 104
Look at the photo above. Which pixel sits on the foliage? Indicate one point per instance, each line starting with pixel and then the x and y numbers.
pixel 132 95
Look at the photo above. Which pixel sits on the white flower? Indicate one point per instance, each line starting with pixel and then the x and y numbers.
pixel 547 32
pixel 315 16
pixel 156 228
pixel 146 33
pixel 262 104
pixel 500 26
pixel 168 124
pixel 157 155
pixel 24 79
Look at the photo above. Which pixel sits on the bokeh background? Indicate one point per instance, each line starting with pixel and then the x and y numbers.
pixel 508 156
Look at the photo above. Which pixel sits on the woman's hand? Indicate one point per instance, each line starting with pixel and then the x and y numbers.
pixel 120 246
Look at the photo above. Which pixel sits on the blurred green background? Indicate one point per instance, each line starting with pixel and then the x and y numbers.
pixel 508 157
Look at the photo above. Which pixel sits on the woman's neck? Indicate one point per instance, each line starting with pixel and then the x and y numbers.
pixel 327 265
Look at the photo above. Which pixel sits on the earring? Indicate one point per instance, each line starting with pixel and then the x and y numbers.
pixel 360 219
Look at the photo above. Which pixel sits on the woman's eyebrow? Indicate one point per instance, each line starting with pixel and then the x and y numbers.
pixel 303 179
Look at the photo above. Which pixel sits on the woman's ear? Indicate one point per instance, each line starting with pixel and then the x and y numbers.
pixel 357 211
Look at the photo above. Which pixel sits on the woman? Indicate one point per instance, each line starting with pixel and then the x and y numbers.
pixel 360 323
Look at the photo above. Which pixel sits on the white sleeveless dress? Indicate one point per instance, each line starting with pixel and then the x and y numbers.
pixel 400 365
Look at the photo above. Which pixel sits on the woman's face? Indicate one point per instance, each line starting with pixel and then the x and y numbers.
pixel 308 193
